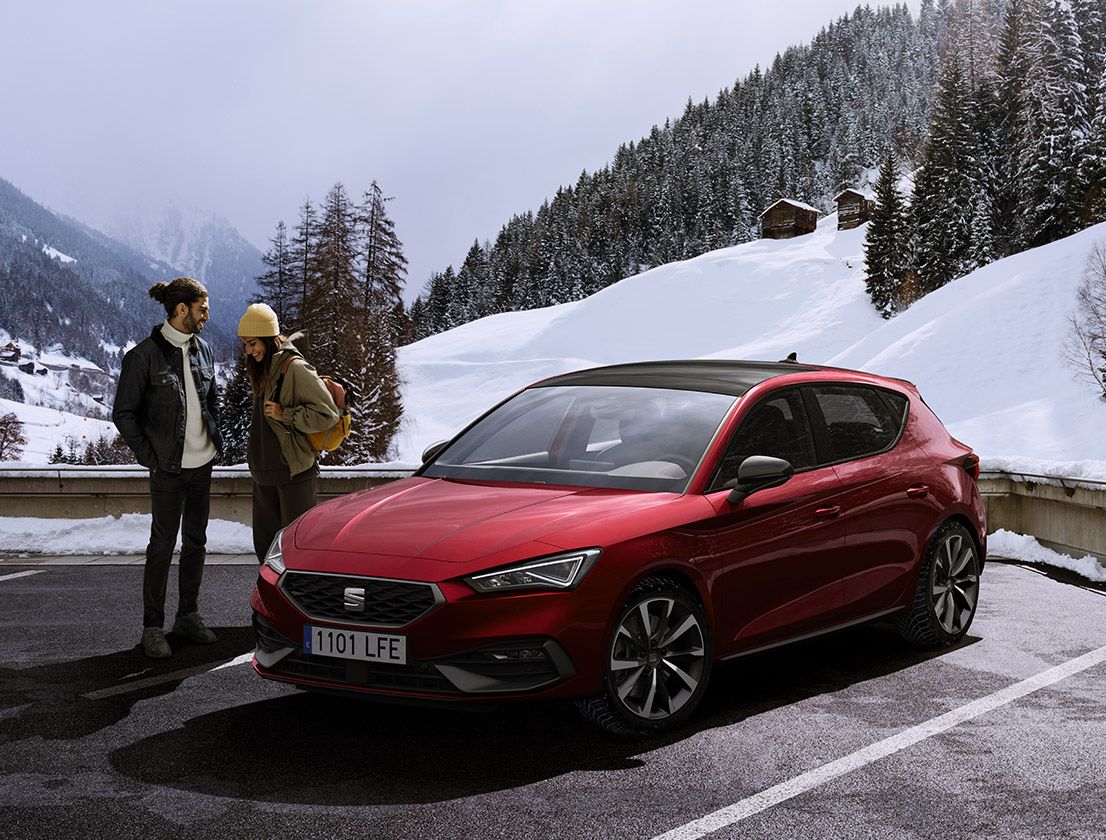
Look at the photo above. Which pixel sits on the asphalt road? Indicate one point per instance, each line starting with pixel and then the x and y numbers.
pixel 97 741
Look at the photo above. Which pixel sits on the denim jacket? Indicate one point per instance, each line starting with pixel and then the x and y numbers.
pixel 149 408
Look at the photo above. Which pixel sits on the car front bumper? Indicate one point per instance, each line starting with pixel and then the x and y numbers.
pixel 466 647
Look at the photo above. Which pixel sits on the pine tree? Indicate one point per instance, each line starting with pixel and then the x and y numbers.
pixel 335 317
pixel 1057 123
pixel 385 266
pixel 278 285
pixel 1010 197
pixel 236 409
pixel 943 198
pixel 302 258
pixel 885 242
pixel 383 261
pixel 1093 171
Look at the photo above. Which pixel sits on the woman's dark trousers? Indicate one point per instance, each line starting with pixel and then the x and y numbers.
pixel 276 505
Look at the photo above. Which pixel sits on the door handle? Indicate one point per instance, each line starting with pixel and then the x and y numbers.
pixel 827 512
pixel 918 491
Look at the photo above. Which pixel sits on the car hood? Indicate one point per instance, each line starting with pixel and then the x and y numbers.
pixel 458 521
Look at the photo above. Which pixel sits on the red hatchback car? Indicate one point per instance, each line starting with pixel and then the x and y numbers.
pixel 607 535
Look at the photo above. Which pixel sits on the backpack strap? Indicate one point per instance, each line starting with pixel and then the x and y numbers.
pixel 280 378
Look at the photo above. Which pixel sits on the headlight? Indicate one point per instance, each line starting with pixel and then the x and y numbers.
pixel 274 559
pixel 563 571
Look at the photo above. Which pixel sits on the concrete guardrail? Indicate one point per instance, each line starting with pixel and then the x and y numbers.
pixel 1067 515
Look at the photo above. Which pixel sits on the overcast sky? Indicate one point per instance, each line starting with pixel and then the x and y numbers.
pixel 465 111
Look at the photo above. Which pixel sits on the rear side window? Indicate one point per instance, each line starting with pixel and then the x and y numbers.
pixel 776 426
pixel 859 421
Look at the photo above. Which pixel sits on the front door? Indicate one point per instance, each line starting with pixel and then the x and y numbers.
pixel 777 552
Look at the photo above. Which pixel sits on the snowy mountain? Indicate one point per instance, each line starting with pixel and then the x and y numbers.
pixel 200 245
pixel 985 350
pixel 66 287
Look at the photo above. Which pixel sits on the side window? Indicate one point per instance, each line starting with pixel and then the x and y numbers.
pixel 776 426
pixel 858 421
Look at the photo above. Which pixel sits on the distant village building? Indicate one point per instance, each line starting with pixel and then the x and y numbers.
pixel 787 218
pixel 10 353
pixel 854 208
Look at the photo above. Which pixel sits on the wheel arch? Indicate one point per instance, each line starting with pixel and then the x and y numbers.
pixel 969 526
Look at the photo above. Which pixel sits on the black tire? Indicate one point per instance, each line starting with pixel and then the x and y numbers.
pixel 661 683
pixel 947 592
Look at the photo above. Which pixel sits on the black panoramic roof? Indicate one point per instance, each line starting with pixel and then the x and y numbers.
pixel 719 376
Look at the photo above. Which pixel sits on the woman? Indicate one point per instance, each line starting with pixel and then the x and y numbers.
pixel 289 402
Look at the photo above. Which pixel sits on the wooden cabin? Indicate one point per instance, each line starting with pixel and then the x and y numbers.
pixel 787 218
pixel 854 208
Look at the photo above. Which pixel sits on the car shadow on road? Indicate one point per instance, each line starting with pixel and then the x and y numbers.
pixel 67 700
pixel 325 750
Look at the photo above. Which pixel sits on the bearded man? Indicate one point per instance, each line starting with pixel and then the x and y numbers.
pixel 166 409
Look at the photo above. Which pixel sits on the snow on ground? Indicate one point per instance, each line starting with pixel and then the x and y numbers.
pixel 127 534
pixel 45 428
pixel 1026 548
pixel 55 254
pixel 985 350
pixel 1090 471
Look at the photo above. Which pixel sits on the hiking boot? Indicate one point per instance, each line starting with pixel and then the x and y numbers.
pixel 154 644
pixel 192 627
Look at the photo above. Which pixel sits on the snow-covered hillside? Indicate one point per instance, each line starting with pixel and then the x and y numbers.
pixel 985 350
pixel 46 428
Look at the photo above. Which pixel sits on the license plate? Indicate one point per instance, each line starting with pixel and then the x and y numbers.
pixel 354 644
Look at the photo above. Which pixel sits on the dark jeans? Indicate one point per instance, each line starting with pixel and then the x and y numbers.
pixel 276 505
pixel 171 494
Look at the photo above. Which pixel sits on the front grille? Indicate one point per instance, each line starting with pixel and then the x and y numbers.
pixel 414 676
pixel 388 603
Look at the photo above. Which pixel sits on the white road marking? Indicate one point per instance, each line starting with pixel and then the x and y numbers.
pixel 731 814
pixel 22 574
pixel 238 660
pixel 138 685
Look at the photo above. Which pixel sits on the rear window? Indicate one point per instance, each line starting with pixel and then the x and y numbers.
pixel 860 421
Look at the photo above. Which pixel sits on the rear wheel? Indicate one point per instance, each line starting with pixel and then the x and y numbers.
pixel 947 591
pixel 658 662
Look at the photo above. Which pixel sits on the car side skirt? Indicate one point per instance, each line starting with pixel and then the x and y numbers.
pixel 824 632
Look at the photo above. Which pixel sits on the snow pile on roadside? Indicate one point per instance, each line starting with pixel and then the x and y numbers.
pixel 1022 547
pixel 107 535
pixel 1091 471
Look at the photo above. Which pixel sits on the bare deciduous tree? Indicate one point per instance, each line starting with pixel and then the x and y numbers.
pixel 12 440
pixel 1085 348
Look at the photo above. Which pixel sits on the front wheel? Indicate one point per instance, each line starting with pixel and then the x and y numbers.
pixel 658 662
pixel 947 591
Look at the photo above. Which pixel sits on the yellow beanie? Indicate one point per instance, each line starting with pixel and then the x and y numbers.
pixel 258 322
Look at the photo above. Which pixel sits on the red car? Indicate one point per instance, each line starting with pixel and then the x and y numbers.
pixel 607 535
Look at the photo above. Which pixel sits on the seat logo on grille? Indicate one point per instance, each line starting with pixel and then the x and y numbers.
pixel 353 599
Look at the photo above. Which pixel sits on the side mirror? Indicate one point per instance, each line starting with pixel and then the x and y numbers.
pixel 431 452
pixel 757 472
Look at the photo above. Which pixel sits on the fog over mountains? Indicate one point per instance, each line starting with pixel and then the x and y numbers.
pixel 201 244
pixel 81 292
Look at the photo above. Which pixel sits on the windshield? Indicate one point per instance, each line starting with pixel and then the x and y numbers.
pixel 589 436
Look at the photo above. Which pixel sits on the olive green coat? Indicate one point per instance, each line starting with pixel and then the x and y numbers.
pixel 308 407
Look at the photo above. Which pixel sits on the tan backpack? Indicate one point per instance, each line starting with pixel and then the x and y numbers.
pixel 329 439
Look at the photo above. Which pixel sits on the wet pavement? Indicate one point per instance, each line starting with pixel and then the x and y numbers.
pixel 96 740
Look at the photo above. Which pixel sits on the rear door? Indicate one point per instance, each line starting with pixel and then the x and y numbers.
pixel 778 552
pixel 882 471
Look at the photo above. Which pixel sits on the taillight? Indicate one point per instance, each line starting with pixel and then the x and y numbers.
pixel 971 466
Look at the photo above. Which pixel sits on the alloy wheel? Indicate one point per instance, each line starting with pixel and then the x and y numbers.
pixel 657 657
pixel 955 585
